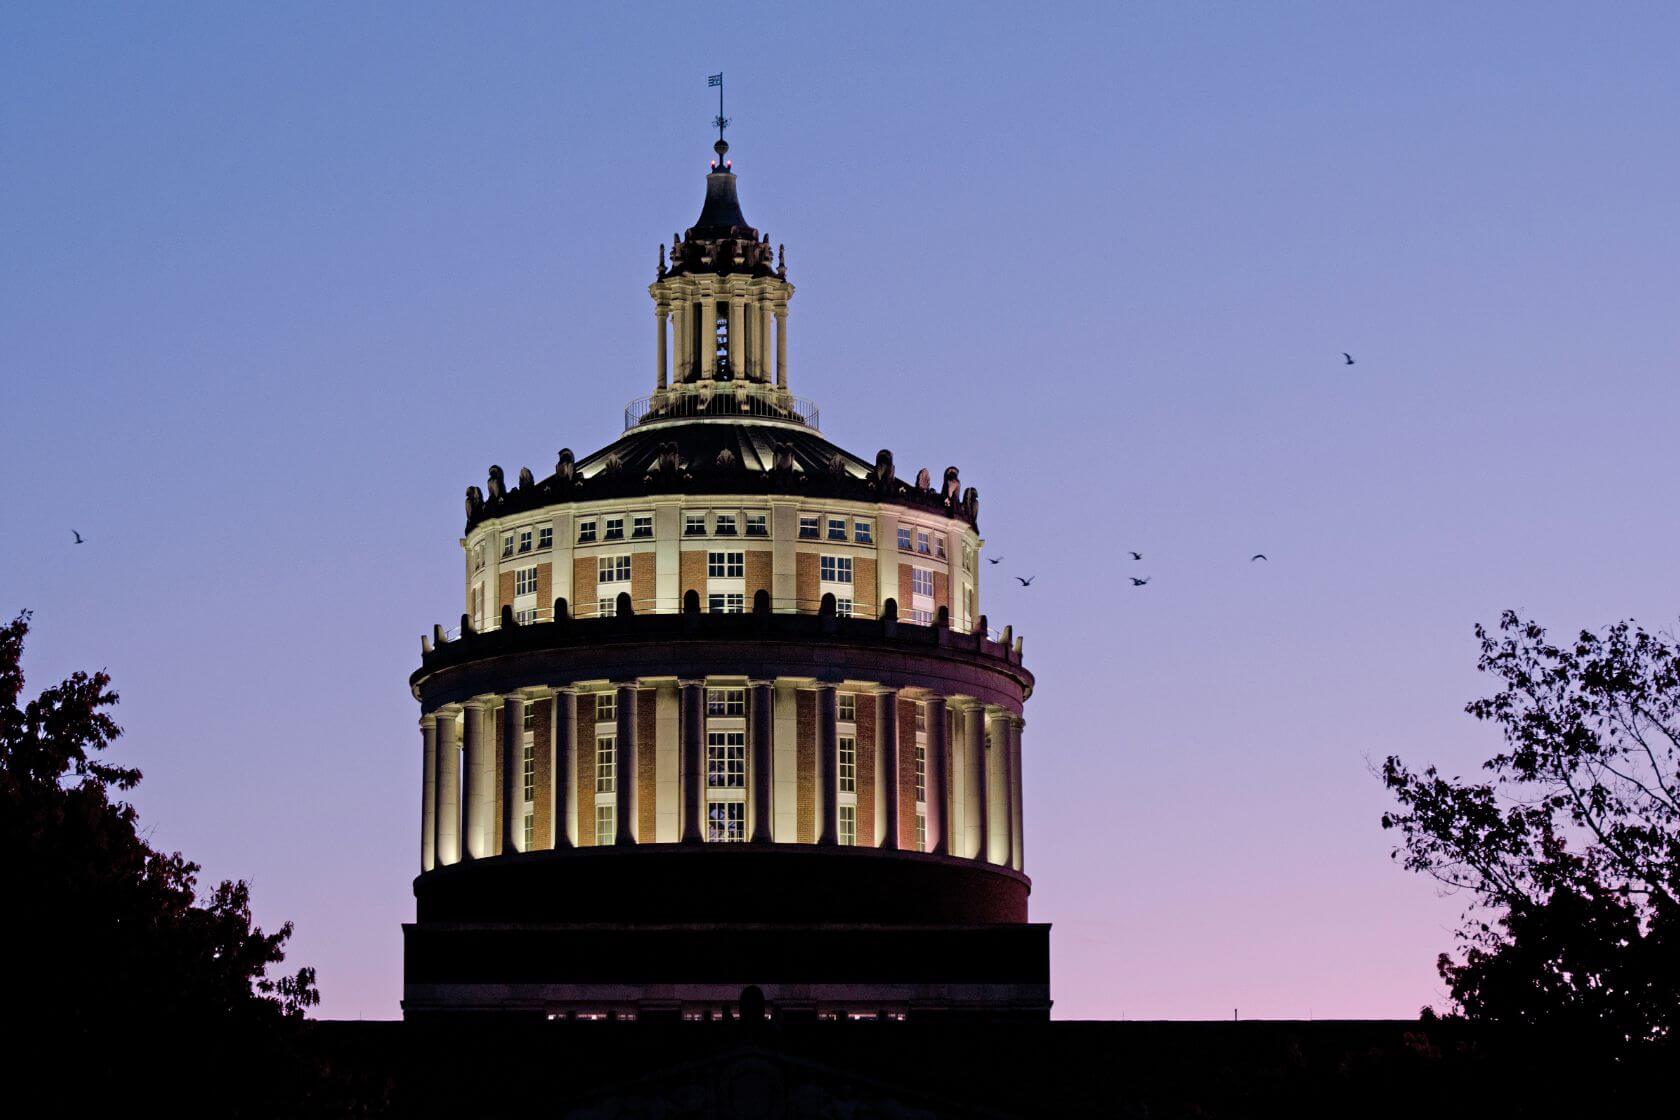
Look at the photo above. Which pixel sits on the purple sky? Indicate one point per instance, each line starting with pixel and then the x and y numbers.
pixel 275 286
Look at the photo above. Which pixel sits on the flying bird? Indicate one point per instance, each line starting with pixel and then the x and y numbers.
pixel 995 559
pixel 1136 582
pixel 1137 556
pixel 1026 582
pixel 77 535
pixel 1259 556
pixel 1348 356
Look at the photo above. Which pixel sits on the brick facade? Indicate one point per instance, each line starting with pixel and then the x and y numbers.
pixel 586 770
pixel 545 586
pixel 495 722
pixel 642 587
pixel 865 769
pixel 904 591
pixel 806 569
pixel 584 570
pixel 941 590
pixel 542 720
pixel 865 603
pixel 691 573
pixel 907 774
pixel 505 593
pixel 647 750
pixel 758 574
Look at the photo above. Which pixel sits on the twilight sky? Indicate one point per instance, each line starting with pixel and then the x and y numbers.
pixel 276 285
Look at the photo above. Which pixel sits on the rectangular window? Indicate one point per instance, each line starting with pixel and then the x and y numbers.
pixel 808 527
pixel 848 764
pixel 606 707
pixel 528 771
pixel 586 532
pixel 921 718
pixel 921 772
pixel 842 608
pixel 606 822
pixel 530 721
pixel 727 603
pixel 904 538
pixel 939 545
pixel 726 525
pixel 921 617
pixel 726 760
pixel 612 569
pixel 837 528
pixel 694 524
pixel 524 540
pixel 478 557
pixel 848 707
pixel 641 526
pixel 545 537
pixel 835 569
pixel 525 581
pixel 922 543
pixel 606 764
pixel 848 825
pixel 921 581
pixel 921 831
pixel 606 607
pixel 863 532
pixel 726 822
pixel 726 565
pixel 615 529
pixel 530 830
pixel 525 617
pixel 757 525
pixel 726 701
pixel 507 545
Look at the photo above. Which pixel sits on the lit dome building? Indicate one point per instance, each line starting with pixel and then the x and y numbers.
pixel 722 709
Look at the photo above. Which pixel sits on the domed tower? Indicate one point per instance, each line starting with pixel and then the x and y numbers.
pixel 722 710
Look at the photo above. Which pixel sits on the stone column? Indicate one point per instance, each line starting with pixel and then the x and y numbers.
pixel 997 845
pixel 737 338
pixel 828 762
pixel 448 782
pixel 691 733
pixel 760 770
pixel 762 339
pixel 428 792
pixel 938 766
pixel 479 766
pixel 706 320
pixel 1018 858
pixel 679 346
pixel 781 346
pixel 886 733
pixel 624 749
pixel 661 314
pixel 974 731
pixel 562 765
pixel 513 774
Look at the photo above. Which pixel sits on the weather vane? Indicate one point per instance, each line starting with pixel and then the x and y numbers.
pixel 720 120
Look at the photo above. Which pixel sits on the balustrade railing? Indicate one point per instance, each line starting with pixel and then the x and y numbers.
pixel 723 400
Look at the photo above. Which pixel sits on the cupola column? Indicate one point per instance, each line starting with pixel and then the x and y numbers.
pixel 760 773
pixel 737 337
pixel 761 349
pixel 691 731
pixel 781 346
pixel 563 765
pixel 828 762
pixel 974 738
pixel 679 341
pixel 448 788
pixel 997 849
pixel 624 750
pixel 428 792
pixel 1017 838
pixel 479 764
pixel 661 315
pixel 886 734
pixel 938 767
pixel 513 774
pixel 706 335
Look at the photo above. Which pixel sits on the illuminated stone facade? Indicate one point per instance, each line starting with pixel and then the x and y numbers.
pixel 722 709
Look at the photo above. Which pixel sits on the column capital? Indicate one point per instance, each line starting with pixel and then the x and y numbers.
pixel 886 690
pixel 484 702
pixel 428 719
pixel 696 683
pixel 756 682
pixel 562 689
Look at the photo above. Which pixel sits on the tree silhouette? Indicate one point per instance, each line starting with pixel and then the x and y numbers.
pixel 1570 849
pixel 122 977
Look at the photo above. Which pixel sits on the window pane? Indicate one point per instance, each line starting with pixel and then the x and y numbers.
pixel 904 539
pixel 726 701
pixel 757 526
pixel 837 528
pixel 863 532
pixel 586 532
pixel 726 760
pixel 643 526
pixel 808 527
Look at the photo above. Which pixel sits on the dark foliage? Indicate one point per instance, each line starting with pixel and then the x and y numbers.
pixel 126 982
pixel 1570 848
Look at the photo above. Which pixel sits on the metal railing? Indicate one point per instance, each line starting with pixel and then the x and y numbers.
pixel 724 400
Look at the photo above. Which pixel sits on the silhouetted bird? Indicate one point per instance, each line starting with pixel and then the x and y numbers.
pixel 77 535
pixel 995 559
pixel 1136 582
pixel 1348 356
pixel 1137 556
pixel 1028 581
pixel 1259 556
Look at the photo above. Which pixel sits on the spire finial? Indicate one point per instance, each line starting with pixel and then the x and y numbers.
pixel 721 121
